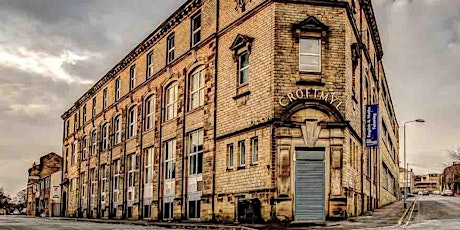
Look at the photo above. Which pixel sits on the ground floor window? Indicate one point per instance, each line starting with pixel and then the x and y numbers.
pixel 168 210
pixel 130 212
pixel 147 211
pixel 194 208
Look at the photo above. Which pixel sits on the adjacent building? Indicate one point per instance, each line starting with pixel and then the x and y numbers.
pixel 43 186
pixel 430 182
pixel 407 182
pixel 242 111
pixel 450 178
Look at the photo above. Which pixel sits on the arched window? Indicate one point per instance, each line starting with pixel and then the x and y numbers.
pixel 131 122
pixel 149 112
pixel 117 130
pixel 93 142
pixel 196 89
pixel 105 136
pixel 171 101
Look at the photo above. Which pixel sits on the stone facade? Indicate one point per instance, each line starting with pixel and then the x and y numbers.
pixel 185 127
pixel 43 186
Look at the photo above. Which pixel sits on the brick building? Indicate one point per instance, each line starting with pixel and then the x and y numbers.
pixel 43 186
pixel 450 178
pixel 237 111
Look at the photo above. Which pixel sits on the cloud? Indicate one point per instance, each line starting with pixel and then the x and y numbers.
pixel 44 64
pixel 28 110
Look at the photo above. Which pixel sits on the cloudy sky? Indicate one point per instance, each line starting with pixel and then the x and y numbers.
pixel 51 51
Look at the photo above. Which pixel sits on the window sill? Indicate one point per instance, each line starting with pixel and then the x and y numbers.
pixel 240 95
pixel 149 130
pixel 310 78
pixel 241 167
pixel 254 164
pixel 194 109
pixel 229 169
pixel 169 121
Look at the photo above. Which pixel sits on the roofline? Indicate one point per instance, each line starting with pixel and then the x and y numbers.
pixel 163 29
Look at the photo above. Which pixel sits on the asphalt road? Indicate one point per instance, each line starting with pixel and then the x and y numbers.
pixel 435 212
pixel 29 223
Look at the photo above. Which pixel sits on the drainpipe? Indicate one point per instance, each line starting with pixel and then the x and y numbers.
pixel 160 175
pixel 125 176
pixel 141 165
pixel 111 178
pixel 182 195
pixel 215 113
pixel 362 114
pixel 98 208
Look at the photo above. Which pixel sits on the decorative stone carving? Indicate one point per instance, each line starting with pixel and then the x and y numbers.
pixel 310 132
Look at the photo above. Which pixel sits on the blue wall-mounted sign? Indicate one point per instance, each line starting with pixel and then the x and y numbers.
pixel 372 124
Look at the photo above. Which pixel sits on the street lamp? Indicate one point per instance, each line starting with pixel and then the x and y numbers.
pixel 405 170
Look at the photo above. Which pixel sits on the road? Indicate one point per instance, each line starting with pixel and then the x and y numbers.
pixel 29 223
pixel 435 212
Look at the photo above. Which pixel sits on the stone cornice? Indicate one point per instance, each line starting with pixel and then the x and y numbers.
pixel 370 16
pixel 166 27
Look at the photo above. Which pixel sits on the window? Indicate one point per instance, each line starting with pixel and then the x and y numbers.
pixel 196 152
pixel 170 159
pixel 171 101
pixel 132 77
pixel 105 136
pixel 67 128
pixel 93 177
pixel 132 122
pixel 150 65
pixel 131 169
pixel 194 208
pixel 75 123
pixel 83 148
pixel 117 88
pixel 103 179
pixel 168 210
pixel 196 28
pixel 93 143
pixel 243 68
pixel 170 49
pixel 74 154
pixel 117 131
pixel 255 149
pixel 149 112
pixel 104 98
pixel 84 114
pixel 148 175
pixel 197 89
pixel 66 159
pixel 310 55
pixel 230 156
pixel 242 149
pixel 147 211
pixel 116 179
pixel 94 107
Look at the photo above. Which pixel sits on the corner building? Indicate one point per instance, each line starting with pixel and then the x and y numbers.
pixel 242 111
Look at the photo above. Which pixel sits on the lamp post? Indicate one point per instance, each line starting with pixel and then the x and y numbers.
pixel 405 170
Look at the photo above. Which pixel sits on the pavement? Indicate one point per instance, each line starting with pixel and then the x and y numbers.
pixel 431 212
pixel 31 223
pixel 435 212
